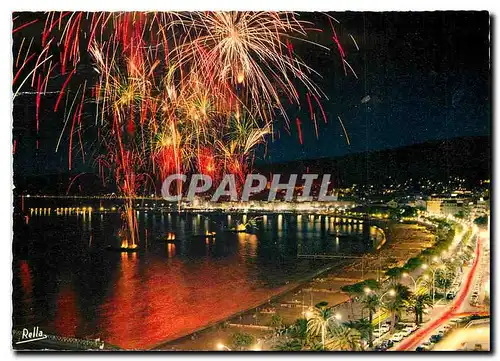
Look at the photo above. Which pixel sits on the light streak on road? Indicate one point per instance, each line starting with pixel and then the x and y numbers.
pixel 418 337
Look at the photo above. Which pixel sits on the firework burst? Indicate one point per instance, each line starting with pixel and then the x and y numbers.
pixel 173 92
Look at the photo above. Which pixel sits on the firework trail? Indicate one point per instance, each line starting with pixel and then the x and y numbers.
pixel 345 131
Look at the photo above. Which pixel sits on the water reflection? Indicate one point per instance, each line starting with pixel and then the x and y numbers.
pixel 68 284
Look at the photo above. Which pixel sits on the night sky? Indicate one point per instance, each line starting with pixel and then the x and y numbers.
pixel 427 76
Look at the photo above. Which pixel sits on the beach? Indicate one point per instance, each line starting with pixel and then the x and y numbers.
pixel 403 242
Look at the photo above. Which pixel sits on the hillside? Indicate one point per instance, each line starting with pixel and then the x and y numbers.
pixel 468 158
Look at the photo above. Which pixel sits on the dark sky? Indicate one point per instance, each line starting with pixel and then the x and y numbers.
pixel 427 75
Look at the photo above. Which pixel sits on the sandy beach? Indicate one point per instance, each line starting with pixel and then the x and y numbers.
pixel 403 242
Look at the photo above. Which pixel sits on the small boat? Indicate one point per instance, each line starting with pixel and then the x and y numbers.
pixel 206 235
pixel 121 249
pixel 169 238
pixel 124 247
pixel 240 228
pixel 233 230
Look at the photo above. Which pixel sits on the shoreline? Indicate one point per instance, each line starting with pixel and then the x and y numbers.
pixel 406 234
pixel 288 289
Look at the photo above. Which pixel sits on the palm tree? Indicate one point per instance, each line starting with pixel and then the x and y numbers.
pixel 402 291
pixel 296 337
pixel 276 323
pixel 394 274
pixel 241 341
pixel 397 303
pixel 299 329
pixel 318 321
pixel 358 290
pixel 417 303
pixel 443 281
pixel 422 302
pixel 371 302
pixel 363 326
pixel 289 345
pixel 344 338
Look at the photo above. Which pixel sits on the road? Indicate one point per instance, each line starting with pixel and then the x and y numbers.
pixel 412 341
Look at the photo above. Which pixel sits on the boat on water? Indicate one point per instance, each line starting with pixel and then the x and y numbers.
pixel 169 238
pixel 207 234
pixel 124 247
pixel 240 228
pixel 244 227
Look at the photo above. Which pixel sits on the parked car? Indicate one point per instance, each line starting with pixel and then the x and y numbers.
pixel 442 332
pixel 384 328
pixel 406 331
pixel 412 326
pixel 448 326
pixel 397 337
pixel 422 348
pixel 436 338
pixel 381 331
pixel 389 343
pixel 384 345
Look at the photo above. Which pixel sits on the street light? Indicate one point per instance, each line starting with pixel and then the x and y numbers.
pixel 415 282
pixel 391 293
pixel 433 270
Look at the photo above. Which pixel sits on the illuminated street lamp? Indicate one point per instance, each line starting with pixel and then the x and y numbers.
pixel 433 270
pixel 415 282
pixel 391 293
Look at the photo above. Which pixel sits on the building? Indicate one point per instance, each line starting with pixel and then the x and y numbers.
pixel 448 206
pixel 433 206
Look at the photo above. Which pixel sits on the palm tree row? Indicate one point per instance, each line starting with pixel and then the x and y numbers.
pixel 322 328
